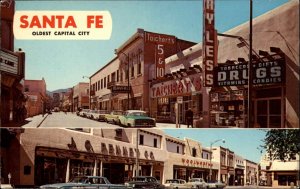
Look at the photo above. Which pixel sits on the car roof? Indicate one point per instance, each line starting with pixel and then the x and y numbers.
pixel 135 111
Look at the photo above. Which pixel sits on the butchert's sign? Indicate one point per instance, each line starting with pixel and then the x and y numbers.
pixel 160 42
pixel 62 25
pixel 263 73
pixel 209 42
pixel 177 87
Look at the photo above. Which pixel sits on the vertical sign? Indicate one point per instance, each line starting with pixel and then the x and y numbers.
pixel 160 61
pixel 160 43
pixel 209 42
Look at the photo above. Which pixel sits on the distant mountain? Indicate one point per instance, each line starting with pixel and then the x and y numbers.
pixel 50 93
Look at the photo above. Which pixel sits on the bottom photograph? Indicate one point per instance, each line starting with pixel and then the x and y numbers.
pixel 149 158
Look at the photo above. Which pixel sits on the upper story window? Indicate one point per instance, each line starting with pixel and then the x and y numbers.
pixel 26 88
pixel 118 75
pixel 139 64
pixel 194 152
pixel 132 70
pixel 155 142
pixel 101 83
pixel 178 149
pixel 98 85
pixel 141 142
pixel 104 85
pixel 108 79
pixel 113 77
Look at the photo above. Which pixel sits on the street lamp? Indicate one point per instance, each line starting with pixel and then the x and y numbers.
pixel 210 157
pixel 128 92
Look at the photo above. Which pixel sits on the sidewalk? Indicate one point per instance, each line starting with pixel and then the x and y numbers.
pixel 35 121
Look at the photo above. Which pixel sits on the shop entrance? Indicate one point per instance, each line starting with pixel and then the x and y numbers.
pixel 114 172
pixel 268 112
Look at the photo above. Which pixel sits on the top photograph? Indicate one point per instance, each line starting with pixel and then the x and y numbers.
pixel 149 64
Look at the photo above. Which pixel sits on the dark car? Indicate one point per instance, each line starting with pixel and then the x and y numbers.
pixel 145 182
pixel 90 182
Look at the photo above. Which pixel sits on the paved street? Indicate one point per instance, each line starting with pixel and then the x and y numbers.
pixel 71 120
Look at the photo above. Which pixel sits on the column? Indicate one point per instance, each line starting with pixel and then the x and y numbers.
pixel 95 168
pixel 68 171
pixel 101 168
pixel 151 173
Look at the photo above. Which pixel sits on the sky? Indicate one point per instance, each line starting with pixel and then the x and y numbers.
pixel 243 142
pixel 63 63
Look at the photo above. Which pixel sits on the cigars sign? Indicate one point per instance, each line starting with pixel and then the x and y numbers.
pixel 62 25
pixel 177 87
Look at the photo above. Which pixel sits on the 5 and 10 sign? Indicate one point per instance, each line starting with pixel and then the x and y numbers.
pixel 160 61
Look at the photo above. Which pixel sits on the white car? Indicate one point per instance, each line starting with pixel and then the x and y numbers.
pixel 176 184
pixel 197 183
pixel 98 115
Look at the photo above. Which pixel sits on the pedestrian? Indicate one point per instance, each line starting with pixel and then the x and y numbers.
pixel 189 118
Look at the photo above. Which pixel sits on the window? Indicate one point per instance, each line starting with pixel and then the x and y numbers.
pixel 194 152
pixel 108 79
pixel 177 149
pixel 139 64
pixel 98 85
pixel 126 73
pixel 26 88
pixel 104 82
pixel 113 77
pixel 155 142
pixel 132 70
pixel 101 83
pixel 117 75
pixel 141 140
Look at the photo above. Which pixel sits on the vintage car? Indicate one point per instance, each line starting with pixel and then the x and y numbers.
pixel 216 184
pixel 145 182
pixel 98 115
pixel 176 184
pixel 85 182
pixel 113 117
pixel 136 118
pixel 197 183
pixel 83 112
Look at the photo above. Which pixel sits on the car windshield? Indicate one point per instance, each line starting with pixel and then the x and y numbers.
pixel 139 179
pixel 195 180
pixel 136 114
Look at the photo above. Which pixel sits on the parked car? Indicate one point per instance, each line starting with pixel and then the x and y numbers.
pixel 85 182
pixel 84 112
pixel 216 184
pixel 136 118
pixel 197 183
pixel 145 182
pixel 176 184
pixel 113 117
pixel 98 115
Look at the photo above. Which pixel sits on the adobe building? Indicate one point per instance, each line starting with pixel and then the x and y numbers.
pixel 35 91
pixel 43 156
pixel 81 96
pixel 12 68
pixel 124 82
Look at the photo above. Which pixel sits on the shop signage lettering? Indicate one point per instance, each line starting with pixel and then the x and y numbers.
pixel 176 87
pixel 209 41
pixel 160 42
pixel 120 89
pixel 196 163
pixel 9 62
pixel 263 73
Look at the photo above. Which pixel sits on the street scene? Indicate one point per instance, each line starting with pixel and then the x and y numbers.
pixel 149 158
pixel 175 76
pixel 149 94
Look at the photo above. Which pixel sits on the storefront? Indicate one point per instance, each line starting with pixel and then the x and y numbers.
pixel 229 99
pixel 165 94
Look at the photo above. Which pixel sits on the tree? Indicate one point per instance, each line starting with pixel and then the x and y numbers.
pixel 282 144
